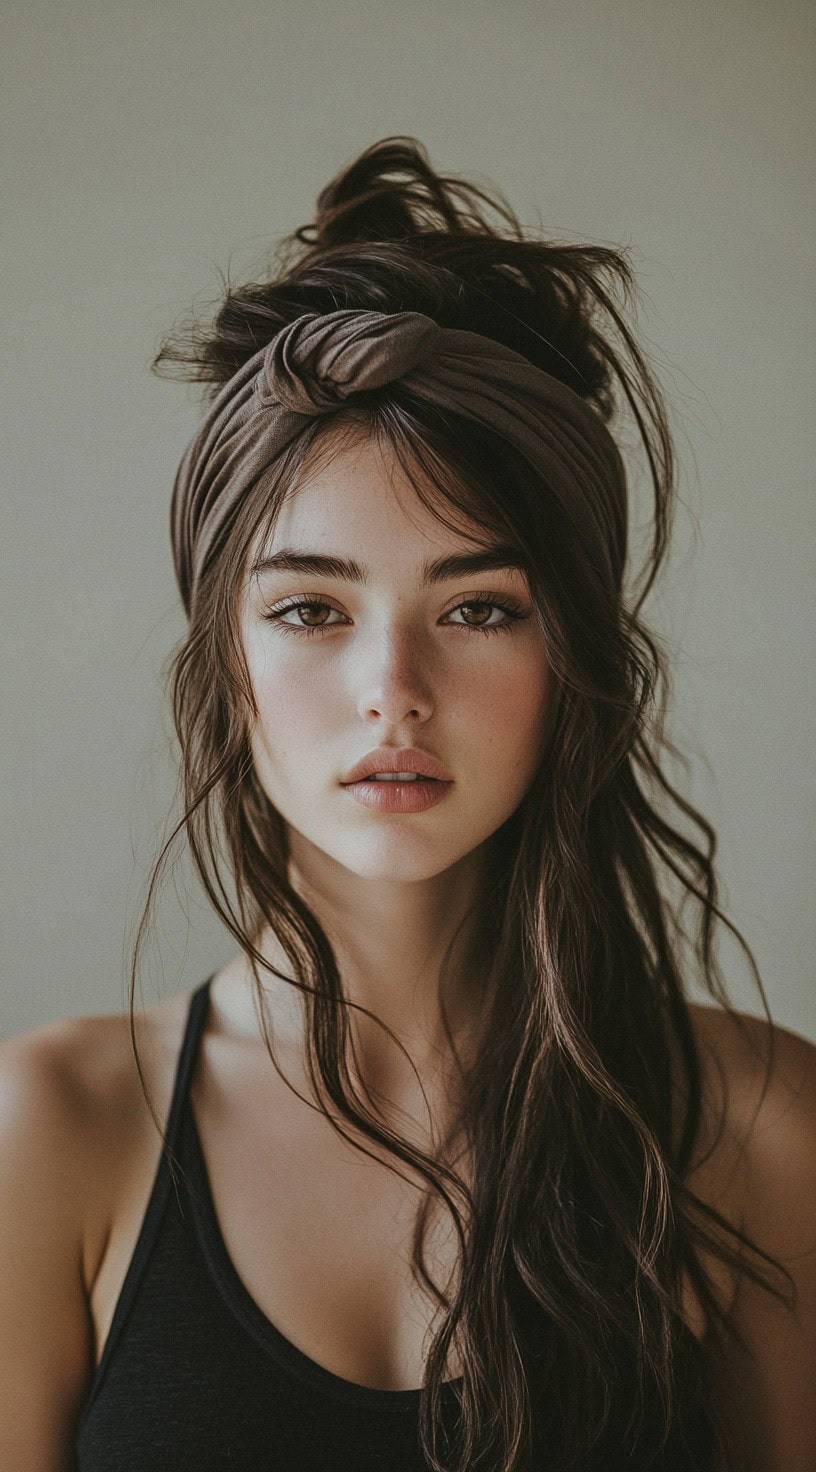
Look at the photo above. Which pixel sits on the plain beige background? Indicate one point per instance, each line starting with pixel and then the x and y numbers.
pixel 147 146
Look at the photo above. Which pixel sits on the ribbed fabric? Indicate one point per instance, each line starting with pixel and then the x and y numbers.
pixel 195 1378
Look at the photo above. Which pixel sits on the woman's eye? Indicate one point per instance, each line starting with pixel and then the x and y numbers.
pixel 309 608
pixel 276 614
pixel 475 608
pixel 511 612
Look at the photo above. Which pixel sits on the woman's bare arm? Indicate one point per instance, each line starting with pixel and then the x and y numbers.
pixel 46 1336
pixel 768 1394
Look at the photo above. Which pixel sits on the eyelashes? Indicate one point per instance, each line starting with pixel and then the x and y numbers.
pixel 513 611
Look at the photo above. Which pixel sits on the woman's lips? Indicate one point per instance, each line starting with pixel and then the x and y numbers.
pixel 399 797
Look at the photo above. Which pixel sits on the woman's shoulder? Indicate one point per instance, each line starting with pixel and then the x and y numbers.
pixel 82 1064
pixel 84 1067
pixel 71 1097
pixel 758 1127
pixel 763 1073
pixel 767 1075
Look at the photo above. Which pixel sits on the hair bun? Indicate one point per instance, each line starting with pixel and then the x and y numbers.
pixel 362 203
pixel 391 234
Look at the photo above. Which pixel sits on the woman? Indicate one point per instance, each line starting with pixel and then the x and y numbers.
pixel 442 1169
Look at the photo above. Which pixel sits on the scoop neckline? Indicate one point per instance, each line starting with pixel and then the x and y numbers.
pixel 238 1298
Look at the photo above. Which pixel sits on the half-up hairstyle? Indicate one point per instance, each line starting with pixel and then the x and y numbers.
pixel 582 1109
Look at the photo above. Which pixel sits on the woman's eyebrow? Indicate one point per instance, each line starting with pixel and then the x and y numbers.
pixel 316 564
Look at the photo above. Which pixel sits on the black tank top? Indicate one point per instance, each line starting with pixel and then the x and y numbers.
pixel 195 1378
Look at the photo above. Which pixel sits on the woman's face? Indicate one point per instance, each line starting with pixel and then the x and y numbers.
pixel 395 660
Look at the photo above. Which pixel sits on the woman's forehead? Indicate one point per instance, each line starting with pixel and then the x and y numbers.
pixel 362 491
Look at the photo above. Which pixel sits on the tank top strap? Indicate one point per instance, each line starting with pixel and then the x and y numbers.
pixel 170 1171
pixel 193 1028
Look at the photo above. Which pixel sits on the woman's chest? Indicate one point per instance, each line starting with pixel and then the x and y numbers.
pixel 320 1235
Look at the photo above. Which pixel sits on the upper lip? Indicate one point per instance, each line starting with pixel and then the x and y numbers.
pixel 397 759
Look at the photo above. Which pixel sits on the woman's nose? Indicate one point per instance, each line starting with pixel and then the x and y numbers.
pixel 394 681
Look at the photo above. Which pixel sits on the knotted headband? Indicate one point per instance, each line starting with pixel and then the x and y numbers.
pixel 318 361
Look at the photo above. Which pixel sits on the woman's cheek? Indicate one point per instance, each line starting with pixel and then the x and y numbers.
pixel 298 707
pixel 513 697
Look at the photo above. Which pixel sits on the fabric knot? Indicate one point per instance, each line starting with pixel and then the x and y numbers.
pixel 315 362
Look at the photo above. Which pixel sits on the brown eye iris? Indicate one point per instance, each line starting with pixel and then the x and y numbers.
pixel 485 606
pixel 310 608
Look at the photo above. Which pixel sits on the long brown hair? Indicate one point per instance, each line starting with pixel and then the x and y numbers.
pixel 579 1225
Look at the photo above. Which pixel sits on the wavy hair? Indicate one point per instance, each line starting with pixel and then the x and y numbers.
pixel 582 1107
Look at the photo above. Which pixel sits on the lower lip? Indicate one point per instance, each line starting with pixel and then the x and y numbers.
pixel 398 797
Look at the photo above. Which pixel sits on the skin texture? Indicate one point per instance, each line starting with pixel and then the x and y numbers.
pixel 403 664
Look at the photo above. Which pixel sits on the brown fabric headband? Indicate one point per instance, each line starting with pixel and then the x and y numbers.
pixel 317 361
